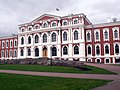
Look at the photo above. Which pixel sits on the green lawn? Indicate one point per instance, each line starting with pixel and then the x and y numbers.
pixel 94 70
pixel 26 82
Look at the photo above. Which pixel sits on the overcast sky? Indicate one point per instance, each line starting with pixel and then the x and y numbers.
pixel 15 12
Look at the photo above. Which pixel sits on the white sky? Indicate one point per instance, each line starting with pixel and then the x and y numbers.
pixel 15 12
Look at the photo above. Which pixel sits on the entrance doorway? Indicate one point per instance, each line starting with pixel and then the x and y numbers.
pixel 45 53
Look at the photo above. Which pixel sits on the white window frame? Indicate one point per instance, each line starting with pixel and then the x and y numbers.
pixel 65 21
pixel 10 43
pixel 10 53
pixel 6 54
pixel 2 54
pixel 36 25
pixel 7 43
pixel 88 31
pixel 78 34
pixel 87 50
pixel 53 22
pixel 2 44
pixel 104 48
pixel 14 53
pixel 77 21
pixel 97 30
pixel 113 29
pixel 16 43
pixel 63 36
pixel 95 49
pixel 106 29
pixel 114 48
pixel 105 61
pixel 99 59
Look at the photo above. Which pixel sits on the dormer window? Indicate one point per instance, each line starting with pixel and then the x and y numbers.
pixel 22 30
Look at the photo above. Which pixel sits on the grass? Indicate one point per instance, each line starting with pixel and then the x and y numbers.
pixel 27 82
pixel 93 70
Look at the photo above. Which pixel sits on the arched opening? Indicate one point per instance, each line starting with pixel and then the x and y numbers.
pixel 106 49
pixel 44 51
pixel 36 52
pixel 29 52
pixel 29 40
pixel 36 38
pixel 107 61
pixel 65 50
pixel 76 35
pixel 22 41
pixel 44 38
pixel 53 37
pixel 76 50
pixel 65 36
pixel 54 51
pixel 98 61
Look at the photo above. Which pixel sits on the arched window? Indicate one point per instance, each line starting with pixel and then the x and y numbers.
pixel 54 24
pixel 44 38
pixel 65 23
pixel 45 25
pixel 106 49
pixel 117 49
pixel 53 36
pixel 2 53
pixel 88 36
pixel 29 29
pixel 76 35
pixel 36 52
pixel 15 53
pixel 29 40
pixel 65 36
pixel 22 52
pixel 115 34
pixel 22 41
pixel 76 50
pixel 65 50
pixel 89 50
pixel 29 52
pixel 106 34
pixel 97 36
pixel 97 50
pixel 36 27
pixel 36 38
pixel 54 51
pixel 75 21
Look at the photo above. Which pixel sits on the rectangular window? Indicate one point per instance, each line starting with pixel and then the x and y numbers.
pixel 11 43
pixel 2 53
pixel 11 53
pixel 2 44
pixel 7 44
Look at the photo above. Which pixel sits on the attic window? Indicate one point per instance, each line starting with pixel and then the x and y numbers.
pixel 22 30
pixel 30 29
pixel 53 24
pixel 64 23
pixel 45 25
pixel 75 21
pixel 36 27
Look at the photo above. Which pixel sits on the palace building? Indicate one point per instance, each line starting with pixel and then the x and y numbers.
pixel 71 37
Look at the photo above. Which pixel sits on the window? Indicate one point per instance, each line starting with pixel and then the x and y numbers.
pixel 76 35
pixel 29 52
pixel 44 38
pixel 36 52
pixel 2 53
pixel 53 37
pixel 30 29
pixel 6 53
pixel 10 53
pixel 117 49
pixel 29 40
pixel 89 50
pixel 65 36
pixel 106 34
pixel 97 36
pixel 6 43
pixel 115 34
pixel 3 44
pixel 54 51
pixel 75 21
pixel 88 36
pixel 106 49
pixel 54 24
pixel 65 50
pixel 64 23
pixel 11 44
pixel 76 50
pixel 107 61
pixel 15 43
pixel 97 50
pixel 45 25
pixel 36 38
pixel 36 27
pixel 22 41
pixel 15 53
pixel 22 52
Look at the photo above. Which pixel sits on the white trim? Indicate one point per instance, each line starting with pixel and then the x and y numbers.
pixel 106 62
pixel 78 34
pixel 97 30
pixel 113 29
pixel 99 48
pixel 88 31
pixel 104 30
pixel 87 50
pixel 104 48
pixel 89 59
pixel 53 22
pixel 114 48
pixel 97 59
pixel 64 21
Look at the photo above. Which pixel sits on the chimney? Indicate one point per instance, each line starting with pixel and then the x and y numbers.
pixel 108 19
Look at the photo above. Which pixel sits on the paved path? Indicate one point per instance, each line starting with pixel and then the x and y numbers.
pixel 109 67
pixel 115 85
pixel 66 75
